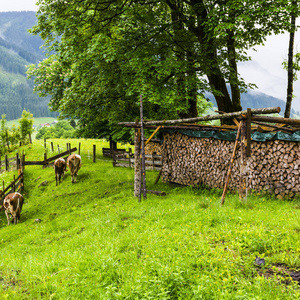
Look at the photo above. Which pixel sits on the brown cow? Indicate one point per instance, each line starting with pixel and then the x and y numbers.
pixel 74 164
pixel 12 205
pixel 60 167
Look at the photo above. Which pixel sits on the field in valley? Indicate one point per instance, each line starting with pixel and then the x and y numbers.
pixel 96 241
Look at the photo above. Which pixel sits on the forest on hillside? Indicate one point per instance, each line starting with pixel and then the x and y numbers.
pixel 19 48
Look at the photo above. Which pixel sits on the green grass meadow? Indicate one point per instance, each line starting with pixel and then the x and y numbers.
pixel 96 241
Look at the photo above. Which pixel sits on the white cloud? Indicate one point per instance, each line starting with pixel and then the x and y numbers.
pixel 266 70
pixel 18 5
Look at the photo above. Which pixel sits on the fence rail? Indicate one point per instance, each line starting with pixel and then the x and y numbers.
pixel 46 160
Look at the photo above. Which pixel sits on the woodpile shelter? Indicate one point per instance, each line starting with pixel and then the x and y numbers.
pixel 258 153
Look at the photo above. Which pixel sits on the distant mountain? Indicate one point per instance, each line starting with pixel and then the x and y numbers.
pixel 19 48
pixel 256 99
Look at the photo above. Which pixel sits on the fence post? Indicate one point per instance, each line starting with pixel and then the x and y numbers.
pixel 30 140
pixel 129 157
pixel 0 163
pixel 17 161
pixel 94 153
pixel 58 149
pixel 45 143
pixel 45 159
pixel 14 186
pixel 23 161
pixel 6 163
pixel 52 147
pixel 79 148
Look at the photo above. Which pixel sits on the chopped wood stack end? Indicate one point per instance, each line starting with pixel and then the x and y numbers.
pixel 273 167
pixel 153 147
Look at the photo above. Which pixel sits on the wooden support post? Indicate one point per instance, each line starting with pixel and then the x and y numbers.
pixel 143 150
pixel 157 178
pixel 243 162
pixel 45 143
pixel 14 185
pixel 137 163
pixel 94 153
pixel 79 148
pixel 0 163
pixel 58 149
pixel 30 140
pixel 152 135
pixel 248 138
pixel 52 147
pixel 231 165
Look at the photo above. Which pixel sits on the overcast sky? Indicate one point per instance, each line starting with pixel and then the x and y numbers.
pixel 18 5
pixel 265 69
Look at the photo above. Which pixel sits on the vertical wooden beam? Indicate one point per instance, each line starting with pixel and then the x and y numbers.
pixel 137 163
pixel 45 143
pixel 52 147
pixel 79 145
pixel 231 165
pixel 143 149
pixel 243 162
pixel 248 139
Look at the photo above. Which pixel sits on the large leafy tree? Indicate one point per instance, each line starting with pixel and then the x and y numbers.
pixel 105 53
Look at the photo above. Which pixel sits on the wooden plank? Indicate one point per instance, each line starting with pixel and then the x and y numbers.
pixel 152 135
pixel 60 155
pixel 34 163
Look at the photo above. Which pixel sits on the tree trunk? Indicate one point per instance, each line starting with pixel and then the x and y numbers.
pixel 289 98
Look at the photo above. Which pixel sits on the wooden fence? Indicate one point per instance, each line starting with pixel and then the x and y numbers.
pixel 8 164
pixel 152 162
pixel 47 161
pixel 17 185
pixel 108 152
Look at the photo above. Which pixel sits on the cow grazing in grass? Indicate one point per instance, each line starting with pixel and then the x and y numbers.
pixel 74 164
pixel 60 167
pixel 12 205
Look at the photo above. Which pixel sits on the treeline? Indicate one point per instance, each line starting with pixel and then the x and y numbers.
pixel 18 49
pixel 14 98
pixel 11 138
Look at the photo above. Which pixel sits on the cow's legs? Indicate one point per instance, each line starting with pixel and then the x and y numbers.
pixel 7 216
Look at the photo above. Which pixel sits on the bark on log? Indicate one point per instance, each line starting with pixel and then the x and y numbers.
pixel 268 110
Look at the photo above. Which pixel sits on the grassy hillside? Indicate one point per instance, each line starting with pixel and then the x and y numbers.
pixel 96 241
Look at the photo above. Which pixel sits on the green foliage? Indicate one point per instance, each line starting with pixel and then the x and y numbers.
pixel 62 129
pixel 102 57
pixel 95 241
pixel 26 123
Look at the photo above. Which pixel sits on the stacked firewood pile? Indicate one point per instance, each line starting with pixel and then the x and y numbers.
pixel 153 147
pixel 273 167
